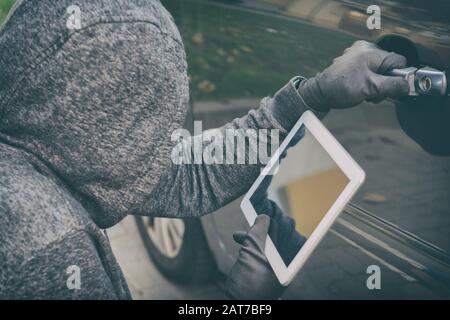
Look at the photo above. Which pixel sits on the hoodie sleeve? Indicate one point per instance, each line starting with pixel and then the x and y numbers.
pixel 189 189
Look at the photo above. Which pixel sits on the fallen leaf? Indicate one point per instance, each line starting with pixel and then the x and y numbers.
pixel 206 86
pixel 221 52
pixel 270 30
pixel 231 59
pixel 246 49
pixel 198 38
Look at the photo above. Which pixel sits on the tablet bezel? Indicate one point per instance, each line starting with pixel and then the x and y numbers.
pixel 343 160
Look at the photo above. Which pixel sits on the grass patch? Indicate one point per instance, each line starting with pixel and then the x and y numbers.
pixel 5 6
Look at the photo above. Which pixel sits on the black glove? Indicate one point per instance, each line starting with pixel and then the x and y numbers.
pixel 252 276
pixel 354 77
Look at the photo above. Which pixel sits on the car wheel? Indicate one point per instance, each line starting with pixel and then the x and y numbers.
pixel 178 248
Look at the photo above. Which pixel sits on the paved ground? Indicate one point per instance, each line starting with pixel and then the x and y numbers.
pixel 143 278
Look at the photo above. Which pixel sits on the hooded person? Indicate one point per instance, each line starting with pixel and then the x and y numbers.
pixel 86 117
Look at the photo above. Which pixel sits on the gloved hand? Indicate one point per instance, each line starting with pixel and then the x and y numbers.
pixel 252 276
pixel 354 77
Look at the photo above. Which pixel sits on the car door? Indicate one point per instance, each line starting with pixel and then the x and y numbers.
pixel 399 222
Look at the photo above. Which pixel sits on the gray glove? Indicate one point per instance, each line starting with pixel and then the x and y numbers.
pixel 252 277
pixel 354 77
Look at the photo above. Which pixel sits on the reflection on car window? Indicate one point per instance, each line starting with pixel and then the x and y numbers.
pixel 233 54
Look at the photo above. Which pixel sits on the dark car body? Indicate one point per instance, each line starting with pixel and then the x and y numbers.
pixel 241 51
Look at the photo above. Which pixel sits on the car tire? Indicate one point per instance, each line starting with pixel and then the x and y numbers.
pixel 178 248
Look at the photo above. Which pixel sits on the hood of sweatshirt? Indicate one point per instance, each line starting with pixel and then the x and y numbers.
pixel 96 104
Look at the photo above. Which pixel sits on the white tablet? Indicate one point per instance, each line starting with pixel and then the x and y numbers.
pixel 304 187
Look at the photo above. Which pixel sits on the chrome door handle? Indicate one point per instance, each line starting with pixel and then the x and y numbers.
pixel 423 81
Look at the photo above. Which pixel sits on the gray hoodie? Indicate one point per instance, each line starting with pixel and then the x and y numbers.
pixel 86 118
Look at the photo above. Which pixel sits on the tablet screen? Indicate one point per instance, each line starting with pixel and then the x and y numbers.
pixel 299 194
